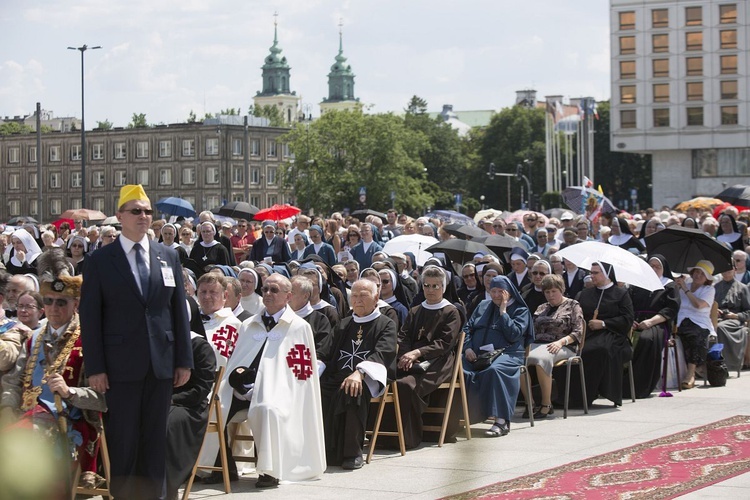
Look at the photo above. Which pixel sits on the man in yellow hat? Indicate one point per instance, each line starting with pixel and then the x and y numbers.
pixel 136 337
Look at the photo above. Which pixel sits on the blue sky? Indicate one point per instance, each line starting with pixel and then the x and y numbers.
pixel 167 57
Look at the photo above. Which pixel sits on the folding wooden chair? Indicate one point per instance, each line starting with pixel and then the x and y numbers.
pixel 215 424
pixel 524 372
pixel 102 490
pixel 237 436
pixel 568 363
pixel 457 379
pixel 389 396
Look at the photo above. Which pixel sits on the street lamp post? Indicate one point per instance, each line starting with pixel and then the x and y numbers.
pixel 82 49
pixel 306 118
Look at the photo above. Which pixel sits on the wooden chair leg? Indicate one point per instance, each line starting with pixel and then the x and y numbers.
pixel 446 415
pixel 632 380
pixel 465 404
pixel 376 428
pixel 399 424
pixel 529 406
pixel 567 389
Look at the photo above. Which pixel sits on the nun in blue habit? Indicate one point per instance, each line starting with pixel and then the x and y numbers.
pixel 502 322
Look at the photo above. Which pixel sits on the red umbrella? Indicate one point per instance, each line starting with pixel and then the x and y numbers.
pixel 58 222
pixel 277 212
pixel 718 209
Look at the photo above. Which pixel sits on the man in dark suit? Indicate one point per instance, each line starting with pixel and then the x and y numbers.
pixel 270 245
pixel 573 277
pixel 137 341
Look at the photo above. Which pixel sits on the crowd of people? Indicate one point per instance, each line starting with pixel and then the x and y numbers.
pixel 312 319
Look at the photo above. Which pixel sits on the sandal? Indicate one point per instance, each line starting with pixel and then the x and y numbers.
pixel 688 385
pixel 498 430
pixel 534 410
pixel 539 414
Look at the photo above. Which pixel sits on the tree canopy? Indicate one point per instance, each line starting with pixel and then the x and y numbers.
pixel 138 121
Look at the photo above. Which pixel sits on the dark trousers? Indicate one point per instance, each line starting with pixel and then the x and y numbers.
pixel 136 429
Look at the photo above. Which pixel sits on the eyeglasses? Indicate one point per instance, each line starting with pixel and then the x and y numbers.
pixel 271 289
pixel 538 273
pixel 48 301
pixel 139 211
pixel 433 287
pixel 108 236
pixel 26 307
pixel 511 229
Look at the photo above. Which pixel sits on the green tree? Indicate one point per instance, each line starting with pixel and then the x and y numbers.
pixel 8 128
pixel 345 150
pixel 271 112
pixel 230 111
pixel 105 125
pixel 138 121
pixel 618 173
pixel 416 106
pixel 191 117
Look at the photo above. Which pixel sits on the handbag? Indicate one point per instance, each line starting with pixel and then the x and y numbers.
pixel 485 359
pixel 716 369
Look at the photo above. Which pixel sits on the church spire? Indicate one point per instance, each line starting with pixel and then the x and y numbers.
pixel 341 77
pixel 276 69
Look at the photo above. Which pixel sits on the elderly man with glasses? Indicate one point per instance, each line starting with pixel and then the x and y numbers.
pixel 243 241
pixel 270 246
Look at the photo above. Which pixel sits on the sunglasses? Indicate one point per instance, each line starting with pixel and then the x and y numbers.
pixel 538 273
pixel 139 211
pixel 270 289
pixel 48 301
pixel 511 229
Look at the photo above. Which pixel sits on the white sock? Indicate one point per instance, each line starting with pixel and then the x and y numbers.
pixel 499 421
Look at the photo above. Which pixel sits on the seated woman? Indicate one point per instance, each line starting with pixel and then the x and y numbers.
pixel 694 317
pixel 299 245
pixel 654 314
pixel 188 415
pixel 78 247
pixel 504 322
pixel 209 251
pixel 532 293
pixel 389 285
pixel 729 232
pixel 557 324
pixel 608 312
pixel 622 236
pixel 30 309
pixel 734 310
pixel 25 252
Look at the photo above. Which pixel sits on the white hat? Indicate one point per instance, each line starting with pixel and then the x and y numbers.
pixel 706 267
pixel 566 216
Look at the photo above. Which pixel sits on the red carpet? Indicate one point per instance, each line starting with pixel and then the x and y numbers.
pixel 663 468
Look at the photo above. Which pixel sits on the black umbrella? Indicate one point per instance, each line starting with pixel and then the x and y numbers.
pixel 238 210
pixel 460 251
pixel 554 212
pixel 499 243
pixel 23 219
pixel 367 211
pixel 683 247
pixel 461 231
pixel 738 195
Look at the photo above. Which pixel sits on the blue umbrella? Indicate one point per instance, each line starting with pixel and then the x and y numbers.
pixel 175 206
pixel 449 216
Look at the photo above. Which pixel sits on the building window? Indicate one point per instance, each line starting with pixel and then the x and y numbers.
pixel 165 149
pixel 32 180
pixel 661 117
pixel 98 204
pixel 75 179
pixel 212 175
pixel 14 207
pixel 729 115
pixel 121 178
pixel 238 197
pixel 14 181
pixel 141 149
pixel 659 18
pixel 141 176
pixel 729 65
pixel 627 70
pixel 627 45
pixel 271 149
pixel 236 147
pixel 627 20
pixel 165 177
pixel 54 180
pixel 729 89
pixel 33 207
pixel 693 16
pixel 98 178
pixel 272 199
pixel 660 43
pixel 271 176
pixel 255 147
pixel 54 153
pixel 694 41
pixel 188 175
pixel 237 177
pixel 75 152
pixel 728 39
pixel 661 92
pixel 627 94
pixel 75 203
pixel 121 152
pixel 212 202
pixel 97 152
pixel 694 91
pixel 55 206
pixel 32 154
pixel 695 116
pixel 660 68
pixel 255 200
pixel 255 176
pixel 14 155
pixel 285 150
pixel 728 13
pixel 212 147
pixel 694 66
pixel 188 147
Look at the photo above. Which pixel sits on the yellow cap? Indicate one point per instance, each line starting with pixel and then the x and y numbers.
pixel 131 192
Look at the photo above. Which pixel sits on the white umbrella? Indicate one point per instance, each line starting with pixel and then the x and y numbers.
pixel 629 268
pixel 414 243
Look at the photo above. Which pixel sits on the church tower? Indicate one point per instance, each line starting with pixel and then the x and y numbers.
pixel 340 84
pixel 276 83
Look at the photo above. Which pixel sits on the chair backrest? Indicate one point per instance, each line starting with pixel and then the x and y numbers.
pixel 715 314
pixel 579 350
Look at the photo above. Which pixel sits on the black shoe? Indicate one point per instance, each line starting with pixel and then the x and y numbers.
pixel 266 481
pixel 352 463
pixel 216 478
pixel 550 411
pixel 535 409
